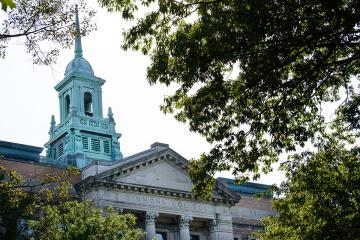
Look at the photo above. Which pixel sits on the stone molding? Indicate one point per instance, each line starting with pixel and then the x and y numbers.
pixel 148 189
pixel 108 183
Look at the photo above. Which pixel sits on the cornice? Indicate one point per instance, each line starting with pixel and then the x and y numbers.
pixel 80 77
pixel 91 182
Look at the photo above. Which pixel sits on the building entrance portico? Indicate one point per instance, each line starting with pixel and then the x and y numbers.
pixel 172 218
pixel 163 202
pixel 173 227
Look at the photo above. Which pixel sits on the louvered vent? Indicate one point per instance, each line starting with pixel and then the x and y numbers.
pixel 95 145
pixel 55 153
pixel 106 147
pixel 85 143
pixel 61 149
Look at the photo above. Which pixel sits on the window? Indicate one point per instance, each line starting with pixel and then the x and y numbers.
pixel 95 145
pixel 106 147
pixel 67 105
pixel 85 143
pixel 88 106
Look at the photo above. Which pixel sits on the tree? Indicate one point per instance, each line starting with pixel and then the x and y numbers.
pixel 39 21
pixel 47 208
pixel 252 76
pixel 74 220
pixel 21 198
pixel 320 198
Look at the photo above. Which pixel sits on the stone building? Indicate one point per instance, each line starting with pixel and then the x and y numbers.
pixel 153 184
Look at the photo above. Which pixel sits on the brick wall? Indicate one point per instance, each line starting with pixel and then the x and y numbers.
pixel 34 170
pixel 254 203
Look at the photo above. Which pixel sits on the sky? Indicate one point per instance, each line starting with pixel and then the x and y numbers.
pixel 28 98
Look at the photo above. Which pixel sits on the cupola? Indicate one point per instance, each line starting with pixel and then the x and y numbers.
pixel 83 134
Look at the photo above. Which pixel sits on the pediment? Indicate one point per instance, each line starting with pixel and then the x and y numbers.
pixel 163 171
pixel 162 174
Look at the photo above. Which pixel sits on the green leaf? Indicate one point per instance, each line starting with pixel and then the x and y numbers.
pixel 7 3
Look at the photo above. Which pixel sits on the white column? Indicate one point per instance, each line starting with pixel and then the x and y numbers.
pixel 150 225
pixel 212 230
pixel 184 227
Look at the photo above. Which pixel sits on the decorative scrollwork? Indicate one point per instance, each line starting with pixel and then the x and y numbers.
pixel 185 221
pixel 151 217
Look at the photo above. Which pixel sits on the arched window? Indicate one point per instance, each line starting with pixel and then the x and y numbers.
pixel 67 105
pixel 88 106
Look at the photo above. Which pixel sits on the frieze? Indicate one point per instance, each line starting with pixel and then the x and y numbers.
pixel 160 204
pixel 168 203
pixel 93 123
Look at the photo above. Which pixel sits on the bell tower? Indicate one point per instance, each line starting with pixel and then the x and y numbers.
pixel 83 134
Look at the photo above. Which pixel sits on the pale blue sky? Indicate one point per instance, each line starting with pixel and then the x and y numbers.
pixel 28 98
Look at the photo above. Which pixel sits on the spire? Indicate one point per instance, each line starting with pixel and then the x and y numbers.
pixel 78 64
pixel 78 47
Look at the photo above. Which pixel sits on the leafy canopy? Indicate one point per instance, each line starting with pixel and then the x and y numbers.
pixel 38 21
pixel 74 220
pixel 320 198
pixel 252 76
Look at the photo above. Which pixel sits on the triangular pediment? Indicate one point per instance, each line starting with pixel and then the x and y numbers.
pixel 162 170
pixel 162 174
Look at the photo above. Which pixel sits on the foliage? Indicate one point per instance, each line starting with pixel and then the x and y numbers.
pixel 13 203
pixel 46 208
pixel 81 220
pixel 7 3
pixel 252 76
pixel 21 198
pixel 39 21
pixel 320 198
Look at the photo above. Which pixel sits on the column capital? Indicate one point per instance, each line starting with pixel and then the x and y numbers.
pixel 150 217
pixel 119 210
pixel 184 221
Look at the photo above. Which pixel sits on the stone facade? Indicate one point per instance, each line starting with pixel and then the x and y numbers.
pixel 155 185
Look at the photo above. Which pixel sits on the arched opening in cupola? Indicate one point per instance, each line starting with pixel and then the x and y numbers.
pixel 67 105
pixel 88 106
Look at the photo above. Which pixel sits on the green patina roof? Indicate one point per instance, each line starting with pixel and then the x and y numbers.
pixel 247 188
pixel 79 64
